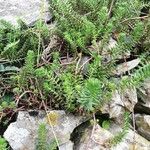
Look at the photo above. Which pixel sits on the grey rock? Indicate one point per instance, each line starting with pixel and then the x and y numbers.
pixel 27 10
pixel 115 107
pixel 66 146
pixel 105 54
pixel 93 139
pixel 99 140
pixel 143 125
pixel 143 105
pixel 132 141
pixel 119 102
pixel 144 97
pixel 126 66
pixel 22 134
pixel 113 44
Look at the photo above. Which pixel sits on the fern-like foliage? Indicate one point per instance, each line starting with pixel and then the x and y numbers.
pixel 42 143
pixel 42 81
pixel 28 69
pixel 70 84
pixel 42 137
pixel 136 78
pixel 63 10
pixel 80 24
pixel 16 41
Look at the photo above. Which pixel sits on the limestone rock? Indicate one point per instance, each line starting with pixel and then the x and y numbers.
pixel 143 125
pixel 116 107
pixel 93 139
pixel 144 97
pixel 144 93
pixel 99 140
pixel 22 134
pixel 133 141
pixel 126 66
pixel 66 146
pixel 27 10
pixel 113 44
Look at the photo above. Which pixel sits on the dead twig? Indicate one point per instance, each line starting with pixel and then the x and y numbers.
pixel 91 137
pixel 18 99
pixel 84 63
pixel 135 18
pixel 111 7
pixel 78 62
pixel 49 120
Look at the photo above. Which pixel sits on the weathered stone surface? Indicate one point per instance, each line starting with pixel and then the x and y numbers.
pixel 145 91
pixel 22 134
pixel 66 146
pixel 27 10
pixel 144 97
pixel 116 107
pixel 126 66
pixel 143 125
pixel 99 140
pixel 143 105
pixel 93 139
pixel 133 141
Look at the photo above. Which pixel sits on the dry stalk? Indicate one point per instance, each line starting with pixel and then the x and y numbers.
pixel 49 120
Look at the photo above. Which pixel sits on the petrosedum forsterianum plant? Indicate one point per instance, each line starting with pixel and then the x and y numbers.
pixel 81 23
pixel 3 144
pixel 84 22
pixel 42 137
pixel 16 41
pixel 90 95
pixel 42 141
